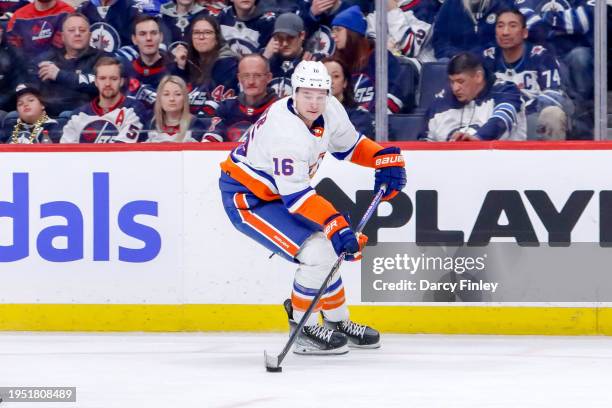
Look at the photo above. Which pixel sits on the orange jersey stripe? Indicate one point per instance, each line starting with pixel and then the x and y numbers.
pixel 316 209
pixel 265 229
pixel 364 152
pixel 300 304
pixel 255 186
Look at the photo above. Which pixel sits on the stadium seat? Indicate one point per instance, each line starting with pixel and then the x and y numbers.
pixel 10 119
pixel 433 79
pixel 64 117
pixel 405 127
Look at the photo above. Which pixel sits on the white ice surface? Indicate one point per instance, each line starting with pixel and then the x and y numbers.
pixel 227 370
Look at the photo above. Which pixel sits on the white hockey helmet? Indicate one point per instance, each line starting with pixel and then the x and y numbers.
pixel 311 74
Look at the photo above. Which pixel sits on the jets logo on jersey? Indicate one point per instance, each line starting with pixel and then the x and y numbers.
pixel 104 37
pixel 490 52
pixel 537 50
pixel 553 5
pixel 281 86
pixel 440 94
pixel 470 130
pixel 321 42
pixel 235 132
pixel 99 131
pixel 42 31
pixel 491 18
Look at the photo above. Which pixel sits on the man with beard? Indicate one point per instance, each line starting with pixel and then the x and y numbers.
pixel 65 76
pixel 36 27
pixel 111 117
pixel 233 117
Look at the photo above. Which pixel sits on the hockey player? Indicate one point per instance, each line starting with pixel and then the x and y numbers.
pixel 475 106
pixel 111 117
pixel 535 71
pixel 266 192
pixel 232 117
pixel 246 26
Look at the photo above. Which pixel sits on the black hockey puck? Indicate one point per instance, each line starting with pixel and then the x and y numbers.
pixel 278 369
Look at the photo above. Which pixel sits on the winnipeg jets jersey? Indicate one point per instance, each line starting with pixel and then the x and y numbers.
pixel 410 27
pixel 496 113
pixel 122 123
pixel 536 74
pixel 281 155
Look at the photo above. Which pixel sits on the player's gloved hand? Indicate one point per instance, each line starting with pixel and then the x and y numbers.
pixel 343 239
pixel 389 165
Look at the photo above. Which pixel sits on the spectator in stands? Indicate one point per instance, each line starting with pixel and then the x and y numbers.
pixel 410 27
pixel 355 51
pixel 535 71
pixel 8 7
pixel 65 75
pixel 208 65
pixel 474 106
pixel 36 27
pixel 33 124
pixel 246 26
pixel 318 16
pixel 233 116
pixel 111 117
pixel 285 50
pixel 10 73
pixel 342 89
pixel 214 7
pixel 172 121
pixel 465 25
pixel 111 23
pixel 568 28
pixel 176 16
pixel 146 71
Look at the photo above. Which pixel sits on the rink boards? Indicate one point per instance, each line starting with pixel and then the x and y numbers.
pixel 134 238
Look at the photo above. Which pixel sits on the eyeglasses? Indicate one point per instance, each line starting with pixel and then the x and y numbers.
pixel 247 77
pixel 204 33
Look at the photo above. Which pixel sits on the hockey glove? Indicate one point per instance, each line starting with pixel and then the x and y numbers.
pixel 343 238
pixel 389 165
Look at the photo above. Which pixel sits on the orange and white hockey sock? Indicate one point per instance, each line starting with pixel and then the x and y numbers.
pixel 334 303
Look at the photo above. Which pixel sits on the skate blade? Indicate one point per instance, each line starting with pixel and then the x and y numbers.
pixel 364 346
pixel 317 352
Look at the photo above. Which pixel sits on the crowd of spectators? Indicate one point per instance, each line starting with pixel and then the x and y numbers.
pixel 201 70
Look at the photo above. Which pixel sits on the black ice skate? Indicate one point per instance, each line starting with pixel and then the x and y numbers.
pixel 359 336
pixel 316 339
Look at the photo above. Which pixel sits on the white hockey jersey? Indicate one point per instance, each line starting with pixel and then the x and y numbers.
pixel 281 155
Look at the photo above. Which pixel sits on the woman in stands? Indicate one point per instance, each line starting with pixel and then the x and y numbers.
pixel 172 121
pixel 355 51
pixel 33 125
pixel 209 66
pixel 342 89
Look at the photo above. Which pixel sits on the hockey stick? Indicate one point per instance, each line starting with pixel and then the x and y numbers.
pixel 273 363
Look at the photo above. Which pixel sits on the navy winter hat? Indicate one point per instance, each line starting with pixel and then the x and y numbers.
pixel 353 19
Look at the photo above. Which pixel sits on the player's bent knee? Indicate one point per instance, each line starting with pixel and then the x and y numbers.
pixel 317 250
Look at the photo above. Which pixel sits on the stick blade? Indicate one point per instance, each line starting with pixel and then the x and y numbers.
pixel 272 363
